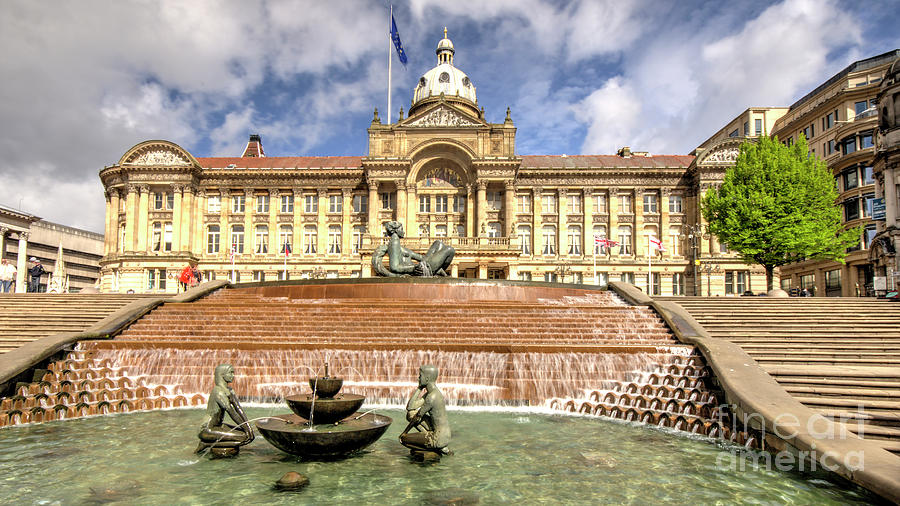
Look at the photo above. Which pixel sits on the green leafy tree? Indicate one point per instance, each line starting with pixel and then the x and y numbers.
pixel 777 206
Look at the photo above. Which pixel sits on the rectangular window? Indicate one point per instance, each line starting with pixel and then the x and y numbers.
pixel 285 239
pixel 829 120
pixel 831 146
pixel 287 203
pixel 548 204
pixel 865 140
pixel 167 237
pixel 574 240
pixel 237 239
pixel 650 203
pixel 358 233
pixel 262 203
pixel 602 204
pixel 860 107
pixel 495 200
pixel 424 203
pixel 655 285
pixel 156 237
pixel 736 282
pixel 388 200
pixel 440 230
pixel 868 201
pixel 459 203
pixel 259 276
pixel 867 176
pixel 523 204
pixel 851 209
pixel 156 280
pixel 627 277
pixel 625 240
pixel 524 232
pixel 868 235
pixel 746 129
pixel 851 178
pixel 734 133
pixel 678 284
pixel 214 204
pixel 625 204
pixel 758 125
pixel 808 282
pixel 335 204
pixel 806 132
pixel 311 204
pixel 675 204
pixel 361 204
pixel 440 203
pixel 574 204
pixel 283 276
pixel 833 280
pixel 237 203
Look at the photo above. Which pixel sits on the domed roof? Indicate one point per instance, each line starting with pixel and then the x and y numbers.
pixel 444 78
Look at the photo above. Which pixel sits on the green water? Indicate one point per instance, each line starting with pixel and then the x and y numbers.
pixel 500 457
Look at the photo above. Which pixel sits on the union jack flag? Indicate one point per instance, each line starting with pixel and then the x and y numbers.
pixel 603 241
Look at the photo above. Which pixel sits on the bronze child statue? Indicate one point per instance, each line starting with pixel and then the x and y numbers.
pixel 215 433
pixel 427 414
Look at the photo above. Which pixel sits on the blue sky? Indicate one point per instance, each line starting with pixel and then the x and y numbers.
pixel 84 81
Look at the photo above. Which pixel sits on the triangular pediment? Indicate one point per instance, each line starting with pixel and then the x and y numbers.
pixel 442 116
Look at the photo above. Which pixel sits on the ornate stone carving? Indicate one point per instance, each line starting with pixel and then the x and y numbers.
pixel 601 218
pixel 285 218
pixel 574 218
pixel 724 154
pixel 159 157
pixel 143 188
pixel 613 192
pixel 442 117
pixel 625 218
pixel 23 235
pixel 274 193
pixel 495 146
pixel 549 218
pixel 236 218
pixel 675 218
pixel 309 218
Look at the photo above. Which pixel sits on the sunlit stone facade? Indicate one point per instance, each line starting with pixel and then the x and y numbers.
pixel 445 172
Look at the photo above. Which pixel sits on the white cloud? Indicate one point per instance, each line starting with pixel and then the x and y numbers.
pixel 230 138
pixel 612 114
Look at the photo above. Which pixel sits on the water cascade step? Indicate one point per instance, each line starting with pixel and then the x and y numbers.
pixel 838 356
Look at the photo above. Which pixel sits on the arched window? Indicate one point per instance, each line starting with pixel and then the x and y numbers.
pixel 262 239
pixel 625 237
pixel 310 238
pixel 574 235
pixel 549 246
pixel 524 232
pixel 286 238
pixel 600 232
pixel 358 233
pixel 334 239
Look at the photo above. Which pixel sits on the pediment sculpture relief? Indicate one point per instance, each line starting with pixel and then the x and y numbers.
pixel 443 117
pixel 159 157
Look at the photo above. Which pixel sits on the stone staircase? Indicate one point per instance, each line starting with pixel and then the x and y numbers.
pixel 838 356
pixel 26 317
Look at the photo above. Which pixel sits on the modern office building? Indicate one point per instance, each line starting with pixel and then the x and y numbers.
pixel 445 172
pixel 24 235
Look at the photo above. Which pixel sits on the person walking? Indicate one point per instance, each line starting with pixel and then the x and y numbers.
pixel 7 275
pixel 36 271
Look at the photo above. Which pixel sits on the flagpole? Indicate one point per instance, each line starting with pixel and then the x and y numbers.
pixel 390 43
pixel 595 261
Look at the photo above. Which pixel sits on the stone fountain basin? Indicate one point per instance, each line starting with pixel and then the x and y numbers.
pixel 326 387
pixel 326 410
pixel 291 434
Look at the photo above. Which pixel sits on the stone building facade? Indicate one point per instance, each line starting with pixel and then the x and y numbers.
pixel 886 167
pixel 443 171
pixel 840 118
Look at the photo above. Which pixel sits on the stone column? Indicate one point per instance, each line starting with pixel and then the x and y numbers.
pixel 143 218
pixel 192 232
pixel 706 238
pixel 640 240
pixel 176 218
pixel 131 221
pixel 482 271
pixel 587 203
pixel 612 202
pixel 297 222
pixel 373 224
pixel 346 231
pixel 274 233
pixel 21 286
pixel 322 222
pixel 510 212
pixel 664 195
pixel 470 212
pixel 482 210
pixel 224 229
pixel 249 233
pixel 107 232
pixel 402 204
pixel 536 232
pixel 3 232
pixel 512 271
pixel 561 230
pixel 412 207
pixel 454 270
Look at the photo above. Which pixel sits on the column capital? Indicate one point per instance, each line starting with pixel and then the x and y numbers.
pixel 346 192
pixel 536 190
pixel 143 188
pixel 613 191
pixel 665 192
pixel 224 193
pixel 248 192
pixel 274 193
pixel 23 236
pixel 510 184
pixel 401 185
pixel 178 188
pixel 4 230
pixel 482 185
pixel 639 191
pixel 322 192
pixel 562 192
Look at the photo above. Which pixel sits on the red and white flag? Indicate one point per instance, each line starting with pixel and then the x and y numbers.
pixel 656 243
pixel 287 249
pixel 599 240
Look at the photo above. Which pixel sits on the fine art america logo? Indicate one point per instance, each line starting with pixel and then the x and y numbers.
pixel 786 429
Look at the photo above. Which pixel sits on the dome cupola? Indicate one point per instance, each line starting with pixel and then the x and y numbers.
pixel 445 79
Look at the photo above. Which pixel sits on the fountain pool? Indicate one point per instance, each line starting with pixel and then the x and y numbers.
pixel 500 457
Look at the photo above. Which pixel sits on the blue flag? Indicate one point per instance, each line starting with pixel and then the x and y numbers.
pixel 395 36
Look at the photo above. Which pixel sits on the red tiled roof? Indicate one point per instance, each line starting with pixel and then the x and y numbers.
pixel 528 162
pixel 281 162
pixel 605 161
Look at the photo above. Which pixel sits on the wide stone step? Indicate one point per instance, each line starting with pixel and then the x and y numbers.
pixel 839 392
pixel 868 404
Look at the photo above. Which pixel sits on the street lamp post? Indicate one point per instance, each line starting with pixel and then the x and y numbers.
pixel 694 233
pixel 562 271
pixel 709 269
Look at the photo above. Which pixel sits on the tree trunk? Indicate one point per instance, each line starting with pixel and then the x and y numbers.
pixel 770 272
